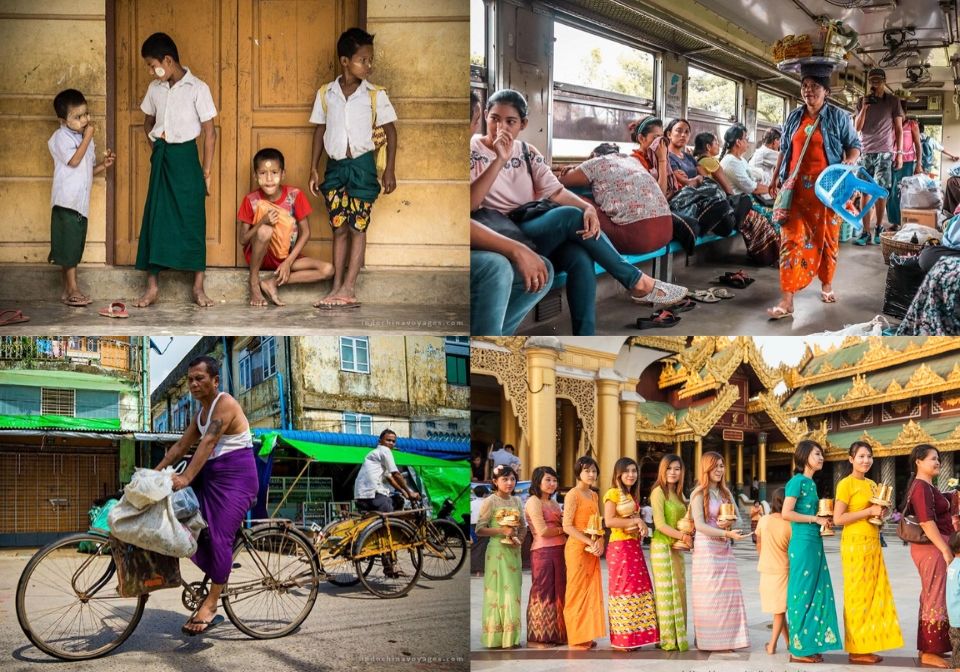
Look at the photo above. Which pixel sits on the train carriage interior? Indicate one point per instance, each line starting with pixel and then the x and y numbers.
pixel 588 68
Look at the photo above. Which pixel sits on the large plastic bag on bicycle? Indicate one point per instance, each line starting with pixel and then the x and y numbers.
pixel 98 524
pixel 154 528
pixel 185 503
pixel 148 486
pixel 196 524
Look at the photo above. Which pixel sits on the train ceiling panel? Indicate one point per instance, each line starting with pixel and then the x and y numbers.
pixel 875 20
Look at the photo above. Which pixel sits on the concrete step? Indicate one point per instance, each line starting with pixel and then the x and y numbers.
pixel 383 286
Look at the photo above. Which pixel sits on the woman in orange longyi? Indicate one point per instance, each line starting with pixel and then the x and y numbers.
pixel 809 240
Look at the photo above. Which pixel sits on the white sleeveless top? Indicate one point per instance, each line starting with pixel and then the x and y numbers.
pixel 227 442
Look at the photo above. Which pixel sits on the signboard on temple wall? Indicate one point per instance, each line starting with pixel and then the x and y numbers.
pixel 733 435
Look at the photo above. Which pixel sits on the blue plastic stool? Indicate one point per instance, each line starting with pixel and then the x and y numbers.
pixel 838 183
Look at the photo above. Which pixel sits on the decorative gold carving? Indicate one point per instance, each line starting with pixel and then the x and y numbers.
pixel 913 434
pixel 807 401
pixel 860 389
pixel 702 419
pixel 582 393
pixel 924 376
pixel 792 430
pixel 830 399
pixel 510 370
pixel 668 343
pixel 954 375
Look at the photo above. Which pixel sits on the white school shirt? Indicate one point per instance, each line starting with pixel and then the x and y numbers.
pixel 350 121
pixel 372 479
pixel 178 109
pixel 71 186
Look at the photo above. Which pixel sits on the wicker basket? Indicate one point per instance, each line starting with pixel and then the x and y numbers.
pixel 888 246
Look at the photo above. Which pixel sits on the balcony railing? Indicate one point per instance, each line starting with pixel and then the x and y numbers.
pixel 106 353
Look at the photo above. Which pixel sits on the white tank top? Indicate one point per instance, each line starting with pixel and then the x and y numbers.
pixel 227 442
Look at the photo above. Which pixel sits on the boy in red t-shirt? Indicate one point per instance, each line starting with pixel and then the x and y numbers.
pixel 256 236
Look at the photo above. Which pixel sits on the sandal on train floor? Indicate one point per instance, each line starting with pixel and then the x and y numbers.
pixel 704 296
pixel 661 319
pixel 685 305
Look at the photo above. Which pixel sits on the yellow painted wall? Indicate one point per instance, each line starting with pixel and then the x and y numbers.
pixel 46 47
pixel 421 51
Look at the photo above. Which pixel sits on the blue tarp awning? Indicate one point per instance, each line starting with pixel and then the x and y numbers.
pixel 444 450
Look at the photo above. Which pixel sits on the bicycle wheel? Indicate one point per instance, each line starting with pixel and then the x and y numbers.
pixel 333 550
pixel 67 600
pixel 396 555
pixel 273 583
pixel 445 549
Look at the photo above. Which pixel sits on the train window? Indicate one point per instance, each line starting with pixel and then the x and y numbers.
pixel 711 102
pixel 600 86
pixel 478 39
pixel 770 108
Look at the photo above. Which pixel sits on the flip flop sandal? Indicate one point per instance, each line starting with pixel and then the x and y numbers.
pixel 212 623
pixel 338 306
pixel 115 309
pixel 662 319
pixel 732 281
pixel 742 274
pixel 721 293
pixel 12 317
pixel 684 306
pixel 704 296
pixel 828 297
pixel 76 301
pixel 778 313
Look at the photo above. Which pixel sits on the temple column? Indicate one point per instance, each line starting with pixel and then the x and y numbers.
pixel 946 469
pixel 739 467
pixel 753 467
pixel 728 465
pixel 697 453
pixel 838 472
pixel 629 402
pixel 568 444
pixel 762 447
pixel 608 422
pixel 542 353
pixel 510 433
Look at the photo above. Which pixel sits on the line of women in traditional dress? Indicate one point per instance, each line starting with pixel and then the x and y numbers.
pixel 649 607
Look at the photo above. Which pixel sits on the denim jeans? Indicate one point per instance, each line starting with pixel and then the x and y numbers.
pixel 893 203
pixel 498 299
pixel 555 235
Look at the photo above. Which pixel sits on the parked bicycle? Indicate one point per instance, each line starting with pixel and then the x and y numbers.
pixel 69 607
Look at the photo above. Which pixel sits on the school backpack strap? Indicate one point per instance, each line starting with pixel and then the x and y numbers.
pixel 323 97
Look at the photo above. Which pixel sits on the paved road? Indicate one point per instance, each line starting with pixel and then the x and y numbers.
pixel 349 629
pixel 904 580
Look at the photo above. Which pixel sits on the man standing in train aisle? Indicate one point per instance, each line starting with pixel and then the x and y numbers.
pixel 879 120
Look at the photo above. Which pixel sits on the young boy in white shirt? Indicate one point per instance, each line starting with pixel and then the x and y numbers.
pixel 74 165
pixel 178 107
pixel 344 114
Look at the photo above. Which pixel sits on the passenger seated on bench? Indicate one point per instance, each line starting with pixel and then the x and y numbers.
pixel 507 173
pixel 682 163
pixel 765 158
pixel 652 153
pixel 706 148
pixel 621 187
pixel 743 178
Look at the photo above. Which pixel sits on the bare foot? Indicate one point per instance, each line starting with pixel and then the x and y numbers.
pixel 148 298
pixel 269 287
pixel 771 650
pixel 201 299
pixel 256 297
pixel 339 297
pixel 585 646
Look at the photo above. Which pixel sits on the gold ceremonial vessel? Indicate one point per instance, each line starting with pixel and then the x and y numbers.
pixel 509 518
pixel 825 508
pixel 627 508
pixel 882 495
pixel 727 512
pixel 686 526
pixel 594 528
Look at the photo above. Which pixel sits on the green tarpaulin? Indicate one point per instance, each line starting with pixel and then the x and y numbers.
pixel 59 422
pixel 442 478
pixel 69 379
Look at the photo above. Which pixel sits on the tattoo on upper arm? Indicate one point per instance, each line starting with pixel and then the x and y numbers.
pixel 216 427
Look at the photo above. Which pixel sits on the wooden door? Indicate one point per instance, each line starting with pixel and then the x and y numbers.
pixel 287 50
pixel 206 35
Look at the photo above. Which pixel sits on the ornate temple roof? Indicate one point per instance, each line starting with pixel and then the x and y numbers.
pixel 709 361
pixel 897 439
pixel 891 379
pixel 660 422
